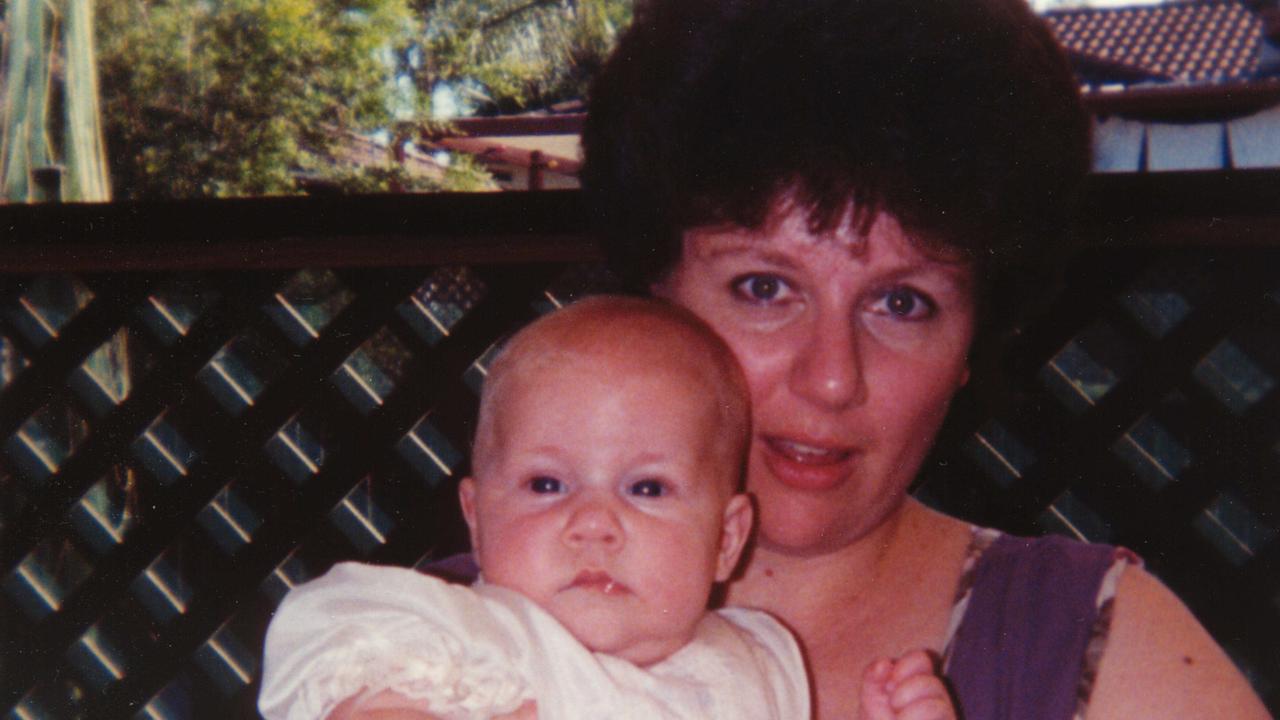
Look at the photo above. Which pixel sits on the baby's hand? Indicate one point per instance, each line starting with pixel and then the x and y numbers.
pixel 905 689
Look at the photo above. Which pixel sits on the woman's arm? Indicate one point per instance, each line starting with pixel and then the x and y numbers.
pixel 1160 662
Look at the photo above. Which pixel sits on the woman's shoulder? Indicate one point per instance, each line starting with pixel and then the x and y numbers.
pixel 1028 571
pixel 1047 558
pixel 1036 608
pixel 1160 662
pixel 1138 651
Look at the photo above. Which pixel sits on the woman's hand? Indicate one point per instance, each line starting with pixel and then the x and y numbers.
pixel 388 705
pixel 905 689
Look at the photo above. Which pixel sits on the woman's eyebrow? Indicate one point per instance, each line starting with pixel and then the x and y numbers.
pixel 719 248
pixel 954 274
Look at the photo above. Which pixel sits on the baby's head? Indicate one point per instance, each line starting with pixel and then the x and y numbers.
pixel 607 469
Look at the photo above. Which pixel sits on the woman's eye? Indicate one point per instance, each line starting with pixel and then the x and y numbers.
pixel 906 303
pixel 761 288
pixel 648 488
pixel 544 485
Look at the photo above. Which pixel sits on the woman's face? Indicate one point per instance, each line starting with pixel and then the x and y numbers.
pixel 853 347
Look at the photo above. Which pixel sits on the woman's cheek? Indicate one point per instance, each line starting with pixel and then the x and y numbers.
pixel 893 336
pixel 937 348
pixel 760 355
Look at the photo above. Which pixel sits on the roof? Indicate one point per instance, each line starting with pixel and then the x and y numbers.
pixel 1197 42
pixel 1184 85
pixel 523 152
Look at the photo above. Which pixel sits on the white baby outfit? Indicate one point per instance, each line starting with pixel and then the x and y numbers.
pixel 472 652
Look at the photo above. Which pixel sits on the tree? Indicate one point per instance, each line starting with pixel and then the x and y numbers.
pixel 239 97
pixel 506 55
pixel 233 97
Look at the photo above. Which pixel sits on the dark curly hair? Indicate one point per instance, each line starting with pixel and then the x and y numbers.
pixel 959 117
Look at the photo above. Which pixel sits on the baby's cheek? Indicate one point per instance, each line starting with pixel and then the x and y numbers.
pixel 506 566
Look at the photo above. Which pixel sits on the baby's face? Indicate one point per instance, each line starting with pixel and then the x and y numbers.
pixel 608 499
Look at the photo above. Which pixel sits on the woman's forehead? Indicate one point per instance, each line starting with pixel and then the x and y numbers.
pixel 789 242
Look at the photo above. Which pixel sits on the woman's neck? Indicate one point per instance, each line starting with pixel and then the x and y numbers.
pixel 808 590
pixel 880 596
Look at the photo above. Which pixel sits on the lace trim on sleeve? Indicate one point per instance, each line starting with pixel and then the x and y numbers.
pixel 978 544
pixel 1101 628
pixel 429 666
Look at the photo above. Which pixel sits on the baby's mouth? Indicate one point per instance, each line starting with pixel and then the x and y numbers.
pixel 599 581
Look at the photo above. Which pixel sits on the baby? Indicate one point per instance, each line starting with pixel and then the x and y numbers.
pixel 605 505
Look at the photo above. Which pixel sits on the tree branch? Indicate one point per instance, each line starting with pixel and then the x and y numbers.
pixel 515 12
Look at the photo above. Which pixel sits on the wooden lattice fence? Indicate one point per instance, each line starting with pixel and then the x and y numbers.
pixel 203 404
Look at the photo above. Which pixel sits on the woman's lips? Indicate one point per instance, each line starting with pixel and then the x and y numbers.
pixel 598 581
pixel 806 466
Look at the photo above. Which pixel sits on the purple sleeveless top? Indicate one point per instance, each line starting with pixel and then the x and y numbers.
pixel 1033 617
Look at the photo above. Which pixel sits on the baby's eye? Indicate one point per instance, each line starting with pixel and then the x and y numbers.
pixel 761 288
pixel 545 485
pixel 905 303
pixel 649 487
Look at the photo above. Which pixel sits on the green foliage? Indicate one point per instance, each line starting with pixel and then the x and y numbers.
pixel 463 174
pixel 231 97
pixel 506 55
pixel 239 97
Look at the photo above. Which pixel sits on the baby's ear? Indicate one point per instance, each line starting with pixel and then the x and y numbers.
pixel 738 515
pixel 467 498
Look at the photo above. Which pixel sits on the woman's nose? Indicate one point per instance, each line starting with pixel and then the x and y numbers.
pixel 593 523
pixel 827 367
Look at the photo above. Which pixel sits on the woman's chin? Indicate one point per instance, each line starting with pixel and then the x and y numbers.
pixel 801 524
pixel 787 529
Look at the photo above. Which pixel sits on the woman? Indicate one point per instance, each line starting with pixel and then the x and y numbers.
pixel 831 184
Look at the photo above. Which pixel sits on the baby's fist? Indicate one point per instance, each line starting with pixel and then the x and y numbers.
pixel 905 689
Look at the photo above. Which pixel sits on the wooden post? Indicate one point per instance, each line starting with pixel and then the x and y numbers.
pixel 48 183
pixel 536 164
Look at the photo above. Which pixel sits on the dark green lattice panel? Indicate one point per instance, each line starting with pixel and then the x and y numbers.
pixel 178 450
pixel 1142 409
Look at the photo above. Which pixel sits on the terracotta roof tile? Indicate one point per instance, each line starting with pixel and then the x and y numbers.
pixel 1194 42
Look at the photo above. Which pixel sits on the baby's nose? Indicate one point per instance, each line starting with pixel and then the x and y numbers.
pixel 594 523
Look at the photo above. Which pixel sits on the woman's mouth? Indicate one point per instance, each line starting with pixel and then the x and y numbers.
pixel 598 581
pixel 806 466
pixel 808 454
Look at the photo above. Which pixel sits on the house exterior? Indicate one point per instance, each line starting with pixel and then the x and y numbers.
pixel 1179 86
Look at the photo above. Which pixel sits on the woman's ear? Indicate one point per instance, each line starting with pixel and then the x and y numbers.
pixel 738 516
pixel 467 498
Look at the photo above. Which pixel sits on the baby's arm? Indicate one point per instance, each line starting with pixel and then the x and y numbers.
pixel 905 689
pixel 359 630
pixel 390 705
